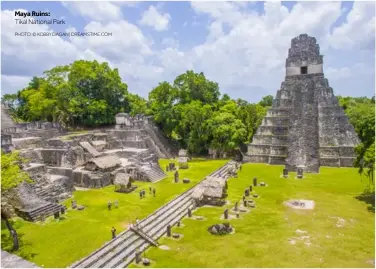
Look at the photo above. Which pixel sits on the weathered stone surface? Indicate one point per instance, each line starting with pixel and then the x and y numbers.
pixel 220 229
pixel 13 261
pixel 305 126
pixel 186 180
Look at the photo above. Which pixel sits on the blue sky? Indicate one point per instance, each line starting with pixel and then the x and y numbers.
pixel 240 45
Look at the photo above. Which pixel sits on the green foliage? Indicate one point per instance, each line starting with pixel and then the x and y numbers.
pixel 271 226
pixel 82 93
pixel 11 173
pixel 266 101
pixel 191 112
pixel 361 113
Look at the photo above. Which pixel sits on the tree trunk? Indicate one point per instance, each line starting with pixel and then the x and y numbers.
pixel 12 231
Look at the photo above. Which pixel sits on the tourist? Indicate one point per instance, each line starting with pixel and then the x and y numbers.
pixel 113 231
pixel 116 203
pixel 151 164
pixel 154 192
pixel 140 194
pixel 136 222
pixel 150 190
pixel 109 205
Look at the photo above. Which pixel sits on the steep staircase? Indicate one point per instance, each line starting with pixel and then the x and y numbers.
pixel 154 173
pixel 119 252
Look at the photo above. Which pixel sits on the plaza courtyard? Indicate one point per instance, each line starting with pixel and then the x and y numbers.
pixel 338 232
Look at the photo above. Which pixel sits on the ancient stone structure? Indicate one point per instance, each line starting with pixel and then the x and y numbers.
pixel 57 160
pixel 220 229
pixel 305 126
pixel 123 184
pixel 285 172
pixel 212 191
pixel 183 159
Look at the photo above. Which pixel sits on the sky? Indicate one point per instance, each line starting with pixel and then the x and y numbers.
pixel 242 46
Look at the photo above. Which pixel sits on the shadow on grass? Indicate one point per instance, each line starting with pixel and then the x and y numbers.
pixel 7 244
pixel 369 198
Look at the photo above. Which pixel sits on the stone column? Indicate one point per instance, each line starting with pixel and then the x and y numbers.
pixel 178 224
pixel 246 192
pixel 250 188
pixel 226 214
pixel 285 173
pixel 62 210
pixel 56 215
pixel 138 256
pixel 300 173
pixel 236 206
pixel 255 181
pixel 168 230
pixel 245 203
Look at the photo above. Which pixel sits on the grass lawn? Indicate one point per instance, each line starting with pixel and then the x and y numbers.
pixel 261 237
pixel 60 243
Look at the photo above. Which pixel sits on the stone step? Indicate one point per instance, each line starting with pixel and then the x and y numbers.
pixel 46 210
pixel 129 253
pixel 110 251
pixel 142 246
pixel 147 221
pixel 272 130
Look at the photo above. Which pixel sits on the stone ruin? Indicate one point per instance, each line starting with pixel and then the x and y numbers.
pixel 183 159
pixel 211 191
pixel 58 161
pixel 221 229
pixel 301 204
pixel 306 126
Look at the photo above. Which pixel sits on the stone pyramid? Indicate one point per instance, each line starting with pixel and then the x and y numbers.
pixel 305 127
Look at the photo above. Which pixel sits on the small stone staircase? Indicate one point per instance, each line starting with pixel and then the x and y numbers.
pixel 46 210
pixel 154 173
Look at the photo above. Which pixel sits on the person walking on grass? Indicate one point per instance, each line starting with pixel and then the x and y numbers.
pixel 113 232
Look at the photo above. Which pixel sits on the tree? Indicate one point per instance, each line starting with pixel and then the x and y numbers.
pixel 361 114
pixel 82 93
pixel 266 101
pixel 11 177
pixel 195 86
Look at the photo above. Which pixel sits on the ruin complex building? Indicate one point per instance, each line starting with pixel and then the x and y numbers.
pixel 305 127
pixel 59 161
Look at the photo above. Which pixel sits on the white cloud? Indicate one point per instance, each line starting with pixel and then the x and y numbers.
pixel 97 10
pixel 153 18
pixel 359 29
pixel 12 84
pixel 243 51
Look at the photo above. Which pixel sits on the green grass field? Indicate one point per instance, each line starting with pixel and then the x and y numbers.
pixel 60 243
pixel 263 237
